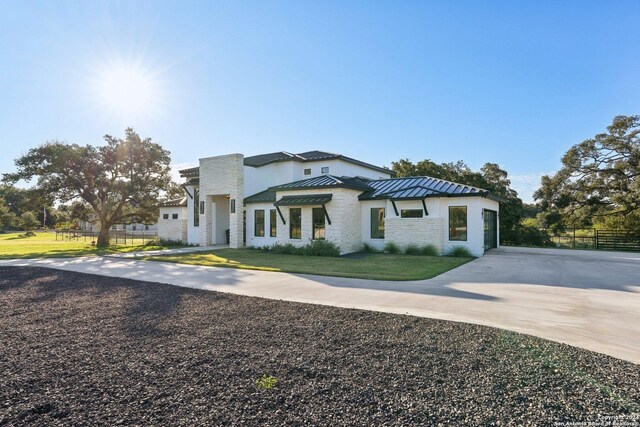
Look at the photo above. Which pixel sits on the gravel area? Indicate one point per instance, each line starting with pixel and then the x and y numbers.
pixel 84 350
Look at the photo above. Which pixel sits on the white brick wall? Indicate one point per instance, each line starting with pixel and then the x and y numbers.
pixel 344 212
pixel 173 229
pixel 417 231
pixel 222 175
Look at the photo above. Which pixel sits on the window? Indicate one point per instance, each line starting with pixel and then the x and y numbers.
pixel 273 225
pixel 377 223
pixel 411 213
pixel 196 208
pixel 201 207
pixel 164 216
pixel 325 169
pixel 258 223
pixel 174 216
pixel 146 227
pixel 458 223
pixel 319 229
pixel 307 171
pixel 295 223
pixel 233 206
pixel 133 227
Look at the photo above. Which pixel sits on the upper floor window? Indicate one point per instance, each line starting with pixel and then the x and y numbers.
pixel 377 223
pixel 458 223
pixel 196 208
pixel 174 216
pixel 307 171
pixel 164 216
pixel 411 213
pixel 258 223
pixel 325 169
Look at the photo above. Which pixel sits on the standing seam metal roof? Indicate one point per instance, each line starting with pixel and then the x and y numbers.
pixel 418 187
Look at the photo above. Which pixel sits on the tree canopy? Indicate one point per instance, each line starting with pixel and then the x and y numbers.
pixel 490 177
pixel 121 180
pixel 598 181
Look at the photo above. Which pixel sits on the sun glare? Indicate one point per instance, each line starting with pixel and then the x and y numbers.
pixel 126 91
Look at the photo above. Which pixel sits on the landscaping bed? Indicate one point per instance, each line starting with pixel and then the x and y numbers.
pixel 79 349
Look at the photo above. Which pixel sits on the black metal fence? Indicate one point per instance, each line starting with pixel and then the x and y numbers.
pixel 117 237
pixel 576 238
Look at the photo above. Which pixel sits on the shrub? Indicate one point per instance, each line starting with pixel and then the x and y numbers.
pixel 460 251
pixel 166 242
pixel 429 250
pixel 412 250
pixel 266 382
pixel 321 248
pixel 368 248
pixel 286 249
pixel 391 248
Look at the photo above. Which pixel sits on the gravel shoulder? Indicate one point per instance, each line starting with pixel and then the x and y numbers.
pixel 79 349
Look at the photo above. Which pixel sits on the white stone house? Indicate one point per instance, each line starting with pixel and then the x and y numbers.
pixel 294 198
pixel 172 223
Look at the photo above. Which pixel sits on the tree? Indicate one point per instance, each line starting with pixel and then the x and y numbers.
pixel 598 178
pixel 173 191
pixel 121 180
pixel 490 177
pixel 28 222
pixel 7 218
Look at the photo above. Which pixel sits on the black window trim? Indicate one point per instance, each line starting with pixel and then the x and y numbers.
pixel 466 211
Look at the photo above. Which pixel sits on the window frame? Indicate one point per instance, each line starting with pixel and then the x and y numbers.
pixel 165 216
pixel 320 213
pixel 453 237
pixel 307 171
pixel 258 223
pixel 324 169
pixel 196 208
pixel 174 216
pixel 297 225
pixel 273 223
pixel 375 226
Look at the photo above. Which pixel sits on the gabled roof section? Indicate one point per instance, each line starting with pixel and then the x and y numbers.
pixel 324 181
pixel 265 159
pixel 266 196
pixel 174 203
pixel 421 187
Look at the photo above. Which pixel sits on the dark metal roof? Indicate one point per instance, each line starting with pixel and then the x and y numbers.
pixel 418 187
pixel 173 203
pixel 324 181
pixel 283 156
pixel 191 172
pixel 266 196
pixel 304 200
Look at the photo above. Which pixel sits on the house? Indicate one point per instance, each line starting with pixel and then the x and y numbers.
pixel 294 198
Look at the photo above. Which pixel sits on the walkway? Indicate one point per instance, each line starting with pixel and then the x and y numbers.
pixel 586 299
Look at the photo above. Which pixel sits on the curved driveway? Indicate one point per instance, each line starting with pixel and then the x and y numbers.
pixel 583 298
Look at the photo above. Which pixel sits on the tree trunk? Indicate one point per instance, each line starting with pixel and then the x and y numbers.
pixel 103 236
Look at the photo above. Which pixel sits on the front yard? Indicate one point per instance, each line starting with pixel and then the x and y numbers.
pixel 78 349
pixel 44 244
pixel 369 266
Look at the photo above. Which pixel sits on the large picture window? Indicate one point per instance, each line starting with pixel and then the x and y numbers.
pixel 273 225
pixel 377 223
pixel 319 229
pixel 295 223
pixel 458 223
pixel 258 223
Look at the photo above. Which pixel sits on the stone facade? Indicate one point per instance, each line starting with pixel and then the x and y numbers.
pixel 173 228
pixel 416 231
pixel 344 212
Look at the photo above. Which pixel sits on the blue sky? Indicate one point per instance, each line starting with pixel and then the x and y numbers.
pixel 511 82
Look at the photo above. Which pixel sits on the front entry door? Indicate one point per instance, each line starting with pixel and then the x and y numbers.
pixel 490 229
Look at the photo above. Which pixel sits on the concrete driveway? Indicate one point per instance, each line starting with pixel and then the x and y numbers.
pixel 583 298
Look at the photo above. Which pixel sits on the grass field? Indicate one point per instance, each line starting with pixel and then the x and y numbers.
pixel 371 266
pixel 15 245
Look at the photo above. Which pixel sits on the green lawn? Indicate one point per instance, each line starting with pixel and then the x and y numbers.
pixel 15 245
pixel 372 266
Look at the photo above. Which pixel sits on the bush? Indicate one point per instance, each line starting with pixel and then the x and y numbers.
pixel 429 250
pixel 166 242
pixel 460 251
pixel 391 248
pixel 286 249
pixel 321 248
pixel 368 248
pixel 412 250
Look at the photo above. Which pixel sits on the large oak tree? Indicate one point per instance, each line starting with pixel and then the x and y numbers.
pixel 121 180
pixel 599 178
